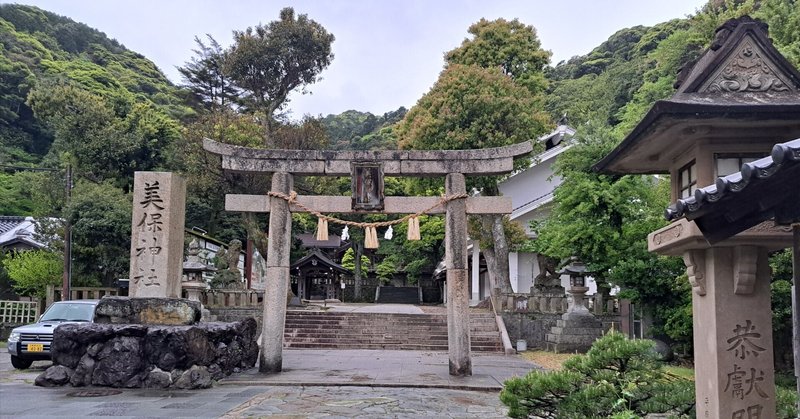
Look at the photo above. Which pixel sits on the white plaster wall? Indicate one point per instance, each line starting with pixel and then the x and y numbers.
pixel 525 262
pixel 513 275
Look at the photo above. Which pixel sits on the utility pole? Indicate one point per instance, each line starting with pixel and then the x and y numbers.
pixel 67 278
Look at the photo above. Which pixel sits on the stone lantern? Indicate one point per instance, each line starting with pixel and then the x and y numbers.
pixel 193 270
pixel 577 286
pixel 578 328
pixel 739 99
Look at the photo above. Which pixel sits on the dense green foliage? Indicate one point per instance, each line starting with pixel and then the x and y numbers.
pixel 604 219
pixel 39 46
pixel 617 376
pixel 32 271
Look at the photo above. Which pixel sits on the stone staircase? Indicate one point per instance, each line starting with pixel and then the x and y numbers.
pixel 347 330
pixel 398 295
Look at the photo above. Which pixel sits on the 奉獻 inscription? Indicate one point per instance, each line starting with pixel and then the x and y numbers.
pixel 742 342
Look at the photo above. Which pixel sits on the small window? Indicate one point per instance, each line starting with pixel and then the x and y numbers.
pixel 687 178
pixel 726 164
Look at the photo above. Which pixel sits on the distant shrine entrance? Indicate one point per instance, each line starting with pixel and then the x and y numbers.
pixel 367 170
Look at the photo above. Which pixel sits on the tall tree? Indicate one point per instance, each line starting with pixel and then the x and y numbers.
pixel 510 45
pixel 475 107
pixel 270 61
pixel 205 77
pixel 604 220
pixel 490 94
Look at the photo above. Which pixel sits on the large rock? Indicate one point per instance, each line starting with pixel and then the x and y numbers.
pixel 150 311
pixel 195 377
pixel 118 355
pixel 57 375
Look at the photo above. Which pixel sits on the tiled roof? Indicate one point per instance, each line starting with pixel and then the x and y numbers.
pixel 764 189
pixel 9 222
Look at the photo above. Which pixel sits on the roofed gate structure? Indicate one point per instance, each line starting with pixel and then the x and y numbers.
pixel 740 99
pixel 367 169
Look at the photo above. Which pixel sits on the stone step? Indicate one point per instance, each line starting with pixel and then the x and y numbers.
pixel 332 330
pixel 293 334
pixel 405 347
pixel 415 328
pixel 573 339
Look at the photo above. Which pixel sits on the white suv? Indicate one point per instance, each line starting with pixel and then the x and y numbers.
pixel 32 342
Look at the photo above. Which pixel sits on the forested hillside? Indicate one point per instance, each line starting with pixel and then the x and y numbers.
pixel 41 50
pixel 354 130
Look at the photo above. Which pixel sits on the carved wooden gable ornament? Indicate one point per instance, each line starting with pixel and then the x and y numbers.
pixel 740 59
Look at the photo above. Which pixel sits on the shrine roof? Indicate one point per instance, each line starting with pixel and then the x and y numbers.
pixel 764 189
pixel 321 259
pixel 310 240
pixel 740 83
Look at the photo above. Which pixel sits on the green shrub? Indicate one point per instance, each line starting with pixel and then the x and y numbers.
pixel 617 378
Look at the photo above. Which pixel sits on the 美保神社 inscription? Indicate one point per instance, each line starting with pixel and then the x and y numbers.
pixel 157 234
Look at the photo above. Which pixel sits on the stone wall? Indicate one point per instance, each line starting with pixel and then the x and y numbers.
pixel 135 355
pixel 532 327
pixel 529 327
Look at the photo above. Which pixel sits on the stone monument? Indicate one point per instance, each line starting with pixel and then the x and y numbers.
pixel 159 200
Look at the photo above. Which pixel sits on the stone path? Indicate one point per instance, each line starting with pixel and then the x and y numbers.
pixel 315 384
pixel 369 402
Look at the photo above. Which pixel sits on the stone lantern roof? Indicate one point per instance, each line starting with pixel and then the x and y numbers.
pixel 740 87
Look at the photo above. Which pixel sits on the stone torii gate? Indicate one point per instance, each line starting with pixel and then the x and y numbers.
pixel 283 164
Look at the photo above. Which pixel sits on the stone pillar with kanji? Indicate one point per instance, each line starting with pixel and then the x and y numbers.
pixel 157 223
pixel 732 320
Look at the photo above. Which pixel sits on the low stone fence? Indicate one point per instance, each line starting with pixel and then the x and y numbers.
pixel 531 317
pixel 79 293
pixel 526 303
pixel 219 298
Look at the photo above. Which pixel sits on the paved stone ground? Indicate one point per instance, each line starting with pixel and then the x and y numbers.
pixel 341 394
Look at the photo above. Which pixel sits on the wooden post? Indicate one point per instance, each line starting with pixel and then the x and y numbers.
pixel 277 287
pixel 796 305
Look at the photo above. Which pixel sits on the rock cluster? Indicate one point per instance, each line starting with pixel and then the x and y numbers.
pixel 135 355
pixel 148 310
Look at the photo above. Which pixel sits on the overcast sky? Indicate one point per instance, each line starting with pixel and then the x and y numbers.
pixel 387 53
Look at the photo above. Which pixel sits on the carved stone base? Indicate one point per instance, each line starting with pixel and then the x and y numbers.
pixel 575 332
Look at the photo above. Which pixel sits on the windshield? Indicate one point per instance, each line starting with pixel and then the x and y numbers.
pixel 73 312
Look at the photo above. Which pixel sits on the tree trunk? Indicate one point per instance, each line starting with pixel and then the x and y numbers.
pixel 260 241
pixel 357 251
pixel 497 257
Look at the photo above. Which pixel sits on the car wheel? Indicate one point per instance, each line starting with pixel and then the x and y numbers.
pixel 19 363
